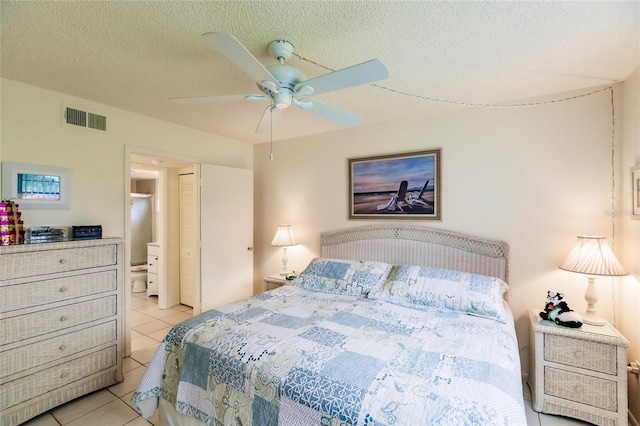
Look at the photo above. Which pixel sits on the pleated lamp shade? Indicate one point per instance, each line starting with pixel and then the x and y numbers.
pixel 593 256
pixel 283 237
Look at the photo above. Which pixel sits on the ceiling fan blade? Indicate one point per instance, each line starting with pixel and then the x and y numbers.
pixel 235 51
pixel 192 100
pixel 332 113
pixel 270 117
pixel 366 72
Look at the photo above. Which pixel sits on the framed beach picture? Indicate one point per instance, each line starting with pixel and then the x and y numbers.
pixel 396 186
pixel 635 188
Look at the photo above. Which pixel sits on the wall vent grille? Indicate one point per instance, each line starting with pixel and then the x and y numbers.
pixel 81 118
pixel 98 122
pixel 75 117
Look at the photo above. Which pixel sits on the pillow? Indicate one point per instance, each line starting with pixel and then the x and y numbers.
pixel 422 287
pixel 354 277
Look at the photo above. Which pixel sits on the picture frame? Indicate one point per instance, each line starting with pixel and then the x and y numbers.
pixel 635 188
pixel 396 186
pixel 36 187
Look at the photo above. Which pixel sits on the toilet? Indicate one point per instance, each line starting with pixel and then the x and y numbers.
pixel 138 278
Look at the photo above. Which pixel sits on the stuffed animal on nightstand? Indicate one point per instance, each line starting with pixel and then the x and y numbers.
pixel 558 311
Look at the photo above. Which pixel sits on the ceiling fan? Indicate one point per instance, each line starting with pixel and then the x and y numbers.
pixel 283 84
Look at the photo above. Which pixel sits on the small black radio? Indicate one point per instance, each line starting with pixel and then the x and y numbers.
pixel 87 231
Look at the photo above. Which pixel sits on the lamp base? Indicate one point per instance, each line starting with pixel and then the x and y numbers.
pixel 285 270
pixel 591 296
pixel 588 318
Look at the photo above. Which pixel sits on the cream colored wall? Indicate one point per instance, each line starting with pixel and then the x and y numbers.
pixel 32 132
pixel 628 304
pixel 536 177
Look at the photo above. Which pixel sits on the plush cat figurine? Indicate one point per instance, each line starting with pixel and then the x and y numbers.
pixel 558 311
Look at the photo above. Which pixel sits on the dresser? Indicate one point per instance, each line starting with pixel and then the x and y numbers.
pixel 61 323
pixel 579 373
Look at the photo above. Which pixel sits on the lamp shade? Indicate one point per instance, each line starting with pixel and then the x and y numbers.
pixel 593 256
pixel 283 237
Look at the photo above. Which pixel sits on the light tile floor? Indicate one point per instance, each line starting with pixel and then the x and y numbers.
pixel 149 325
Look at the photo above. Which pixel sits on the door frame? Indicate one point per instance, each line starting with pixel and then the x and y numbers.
pixel 162 225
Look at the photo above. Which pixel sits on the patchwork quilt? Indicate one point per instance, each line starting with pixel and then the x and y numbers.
pixel 295 356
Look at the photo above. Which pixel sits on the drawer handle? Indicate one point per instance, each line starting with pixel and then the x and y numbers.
pixel 63 318
pixel 579 390
pixel 63 347
pixel 63 261
pixel 64 375
pixel 63 289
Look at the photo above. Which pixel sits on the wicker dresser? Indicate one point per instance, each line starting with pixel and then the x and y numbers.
pixel 580 373
pixel 61 323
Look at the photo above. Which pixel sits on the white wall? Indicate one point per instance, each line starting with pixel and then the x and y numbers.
pixel 32 132
pixel 535 177
pixel 628 304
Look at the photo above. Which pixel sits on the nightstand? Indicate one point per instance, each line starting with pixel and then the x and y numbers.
pixel 274 281
pixel 579 373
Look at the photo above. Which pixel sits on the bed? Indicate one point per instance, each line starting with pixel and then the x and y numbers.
pixel 391 325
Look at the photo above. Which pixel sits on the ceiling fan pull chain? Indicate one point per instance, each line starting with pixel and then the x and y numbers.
pixel 271 130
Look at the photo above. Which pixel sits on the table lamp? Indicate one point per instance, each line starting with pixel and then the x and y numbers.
pixel 284 238
pixel 592 256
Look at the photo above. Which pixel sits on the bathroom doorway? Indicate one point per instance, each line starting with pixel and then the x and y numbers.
pixel 153 191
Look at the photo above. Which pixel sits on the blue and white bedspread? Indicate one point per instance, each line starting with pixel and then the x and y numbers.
pixel 297 357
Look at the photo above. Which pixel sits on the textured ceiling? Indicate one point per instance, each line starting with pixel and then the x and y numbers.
pixel 136 55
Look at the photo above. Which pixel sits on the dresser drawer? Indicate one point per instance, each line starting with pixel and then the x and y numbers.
pixel 39 353
pixel 581 388
pixel 26 264
pixel 37 293
pixel 31 325
pixel 593 356
pixel 29 387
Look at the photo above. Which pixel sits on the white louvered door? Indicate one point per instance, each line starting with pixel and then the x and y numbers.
pixel 188 240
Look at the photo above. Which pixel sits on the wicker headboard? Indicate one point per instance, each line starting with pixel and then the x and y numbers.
pixel 418 245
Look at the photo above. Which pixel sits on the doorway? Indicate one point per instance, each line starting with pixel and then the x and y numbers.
pixel 222 200
pixel 154 179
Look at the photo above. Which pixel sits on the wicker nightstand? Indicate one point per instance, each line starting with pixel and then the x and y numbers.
pixel 274 281
pixel 578 373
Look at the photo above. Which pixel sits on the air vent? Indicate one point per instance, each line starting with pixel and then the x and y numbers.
pixel 98 122
pixel 80 118
pixel 76 117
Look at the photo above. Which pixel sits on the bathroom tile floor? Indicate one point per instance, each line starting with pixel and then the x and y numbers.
pixel 112 406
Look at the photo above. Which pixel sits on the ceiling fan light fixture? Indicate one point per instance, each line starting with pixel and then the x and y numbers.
pixel 303 103
pixel 268 86
pixel 282 99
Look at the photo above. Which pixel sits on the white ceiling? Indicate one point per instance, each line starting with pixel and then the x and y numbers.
pixel 135 55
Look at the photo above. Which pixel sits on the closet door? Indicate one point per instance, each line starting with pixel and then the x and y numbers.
pixel 226 235
pixel 188 240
